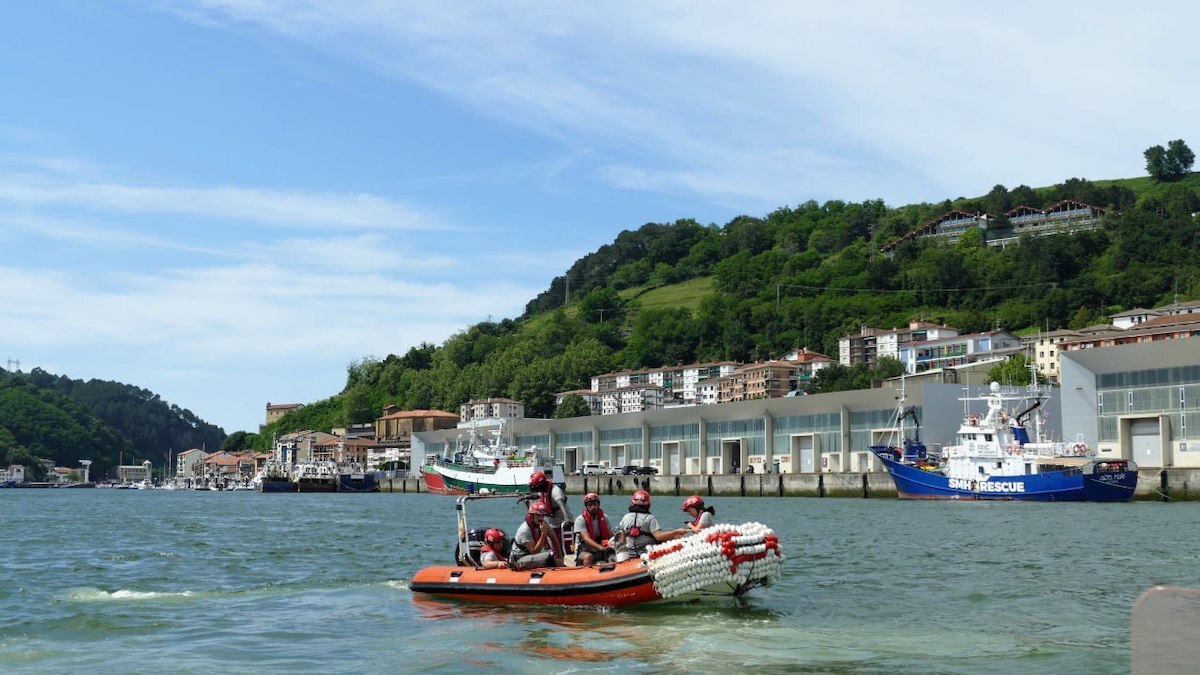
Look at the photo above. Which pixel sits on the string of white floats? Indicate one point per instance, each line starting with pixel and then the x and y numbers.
pixel 737 555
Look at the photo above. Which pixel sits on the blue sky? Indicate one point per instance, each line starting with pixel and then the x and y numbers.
pixel 227 202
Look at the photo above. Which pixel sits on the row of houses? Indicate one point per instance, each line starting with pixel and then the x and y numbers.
pixel 710 383
pixel 1063 217
pixel 923 346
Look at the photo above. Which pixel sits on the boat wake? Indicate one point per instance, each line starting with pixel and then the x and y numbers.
pixel 90 594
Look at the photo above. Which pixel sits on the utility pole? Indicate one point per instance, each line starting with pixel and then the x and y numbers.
pixel 11 362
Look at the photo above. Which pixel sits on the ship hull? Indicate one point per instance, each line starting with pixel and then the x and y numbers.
pixel 440 480
pixel 280 485
pixel 1051 486
pixel 611 585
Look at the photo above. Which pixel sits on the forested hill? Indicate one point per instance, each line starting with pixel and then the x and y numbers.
pixel 800 276
pixel 55 417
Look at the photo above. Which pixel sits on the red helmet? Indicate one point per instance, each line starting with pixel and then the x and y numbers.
pixel 539 508
pixel 693 502
pixel 641 497
pixel 494 536
pixel 538 481
pixel 591 497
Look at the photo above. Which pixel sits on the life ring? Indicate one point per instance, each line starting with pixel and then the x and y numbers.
pixel 1080 448
pixel 1009 449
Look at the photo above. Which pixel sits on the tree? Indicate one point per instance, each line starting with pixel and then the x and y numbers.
pixel 1013 371
pixel 1170 163
pixel 1156 162
pixel 572 405
pixel 236 441
pixel 1179 158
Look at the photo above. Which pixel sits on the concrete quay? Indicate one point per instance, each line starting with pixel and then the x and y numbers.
pixel 1153 485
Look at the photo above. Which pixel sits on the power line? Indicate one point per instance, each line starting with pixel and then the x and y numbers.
pixel 913 290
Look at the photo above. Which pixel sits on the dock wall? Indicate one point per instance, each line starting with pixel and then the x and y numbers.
pixel 1153 485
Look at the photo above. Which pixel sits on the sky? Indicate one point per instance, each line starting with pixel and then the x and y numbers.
pixel 229 202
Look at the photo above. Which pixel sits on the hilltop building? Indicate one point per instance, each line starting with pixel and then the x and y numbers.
pixel 1063 217
pixel 277 410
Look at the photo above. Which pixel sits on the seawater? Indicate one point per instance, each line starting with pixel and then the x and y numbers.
pixel 137 581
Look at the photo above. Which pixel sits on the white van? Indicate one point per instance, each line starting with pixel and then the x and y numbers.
pixel 591 469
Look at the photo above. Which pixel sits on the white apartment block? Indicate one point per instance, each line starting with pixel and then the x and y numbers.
pixel 490 408
pixel 681 383
pixel 632 399
pixel 919 357
pixel 872 343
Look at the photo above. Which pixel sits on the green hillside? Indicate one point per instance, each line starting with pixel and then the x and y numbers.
pixel 43 416
pixel 800 276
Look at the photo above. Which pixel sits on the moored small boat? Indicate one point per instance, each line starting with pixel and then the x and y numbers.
pixel 487 467
pixel 314 477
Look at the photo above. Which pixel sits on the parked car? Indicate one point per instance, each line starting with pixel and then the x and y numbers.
pixel 628 470
pixel 633 469
pixel 591 469
pixel 647 470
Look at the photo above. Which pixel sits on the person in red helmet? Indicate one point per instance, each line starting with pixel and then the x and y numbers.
pixel 593 533
pixel 494 554
pixel 641 528
pixel 558 513
pixel 701 517
pixel 531 543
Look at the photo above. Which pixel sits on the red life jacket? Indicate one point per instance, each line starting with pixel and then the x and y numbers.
pixel 488 547
pixel 545 499
pixel 598 528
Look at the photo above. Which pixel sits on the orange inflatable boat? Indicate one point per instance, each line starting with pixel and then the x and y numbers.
pixel 723 560
pixel 602 585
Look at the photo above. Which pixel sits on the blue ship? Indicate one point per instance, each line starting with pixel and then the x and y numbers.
pixel 994 458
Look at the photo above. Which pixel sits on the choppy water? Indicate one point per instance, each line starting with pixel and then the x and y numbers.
pixel 129 581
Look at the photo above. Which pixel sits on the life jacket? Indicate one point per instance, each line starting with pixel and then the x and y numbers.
pixel 700 514
pixel 598 528
pixel 534 529
pixel 636 532
pixel 498 551
pixel 544 497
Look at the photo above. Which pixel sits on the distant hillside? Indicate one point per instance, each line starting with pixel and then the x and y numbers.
pixel 800 276
pixel 55 417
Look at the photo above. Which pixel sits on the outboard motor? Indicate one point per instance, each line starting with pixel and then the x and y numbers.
pixel 472 556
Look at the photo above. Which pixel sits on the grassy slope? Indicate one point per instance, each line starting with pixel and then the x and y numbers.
pixel 687 294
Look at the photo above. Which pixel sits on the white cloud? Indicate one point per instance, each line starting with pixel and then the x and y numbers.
pixel 751 102
pixel 279 207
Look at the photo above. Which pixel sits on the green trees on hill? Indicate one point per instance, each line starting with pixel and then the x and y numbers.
pixel 39 423
pixel 52 417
